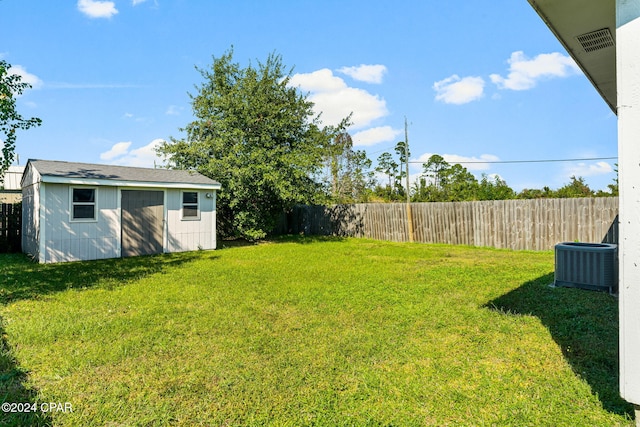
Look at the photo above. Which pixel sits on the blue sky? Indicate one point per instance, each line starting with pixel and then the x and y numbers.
pixel 477 81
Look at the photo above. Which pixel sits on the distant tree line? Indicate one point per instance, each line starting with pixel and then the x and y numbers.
pixel 444 182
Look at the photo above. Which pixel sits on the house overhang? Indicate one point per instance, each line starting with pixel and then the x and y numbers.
pixel 587 30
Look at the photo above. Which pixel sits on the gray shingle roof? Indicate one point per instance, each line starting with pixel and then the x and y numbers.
pixel 92 171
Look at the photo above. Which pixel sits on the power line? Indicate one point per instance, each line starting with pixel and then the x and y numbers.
pixel 383 149
pixel 528 161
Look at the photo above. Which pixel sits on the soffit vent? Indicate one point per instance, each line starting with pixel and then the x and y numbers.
pixel 596 40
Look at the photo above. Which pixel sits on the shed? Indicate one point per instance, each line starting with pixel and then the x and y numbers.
pixel 82 211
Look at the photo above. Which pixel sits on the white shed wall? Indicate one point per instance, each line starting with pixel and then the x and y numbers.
pixel 31 212
pixel 66 240
pixel 30 220
pixel 190 234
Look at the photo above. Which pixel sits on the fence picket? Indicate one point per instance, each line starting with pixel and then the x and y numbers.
pixel 537 224
pixel 10 227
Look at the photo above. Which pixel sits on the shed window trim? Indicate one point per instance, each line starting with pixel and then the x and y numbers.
pixel 190 205
pixel 83 200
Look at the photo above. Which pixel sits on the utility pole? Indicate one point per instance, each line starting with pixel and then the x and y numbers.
pixel 406 158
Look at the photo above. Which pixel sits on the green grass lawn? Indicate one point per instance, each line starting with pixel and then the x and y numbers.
pixel 309 332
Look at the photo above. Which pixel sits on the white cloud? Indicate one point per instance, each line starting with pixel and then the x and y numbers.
pixel 336 100
pixel 25 76
pixel 365 73
pixel 318 81
pixel 137 2
pixel 173 110
pixel 524 73
pixel 145 156
pixel 97 9
pixel 584 169
pixel 131 116
pixel 456 90
pixel 335 106
pixel 471 163
pixel 375 135
pixel 118 149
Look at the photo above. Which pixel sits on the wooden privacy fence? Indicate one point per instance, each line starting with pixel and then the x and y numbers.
pixel 537 224
pixel 10 227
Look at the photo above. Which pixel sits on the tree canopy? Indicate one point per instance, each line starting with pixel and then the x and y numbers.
pixel 258 137
pixel 347 172
pixel 11 87
pixel 444 182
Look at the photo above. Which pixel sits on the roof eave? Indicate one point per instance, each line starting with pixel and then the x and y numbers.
pixel 568 40
pixel 122 183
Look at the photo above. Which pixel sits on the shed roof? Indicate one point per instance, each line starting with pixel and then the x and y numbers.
pixel 587 30
pixel 96 174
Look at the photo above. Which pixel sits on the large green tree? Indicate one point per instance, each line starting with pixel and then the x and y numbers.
pixel 442 182
pixel 259 137
pixel 494 188
pixel 348 175
pixel 404 153
pixel 535 193
pixel 389 167
pixel 459 184
pixel 576 188
pixel 436 169
pixel 613 187
pixel 11 86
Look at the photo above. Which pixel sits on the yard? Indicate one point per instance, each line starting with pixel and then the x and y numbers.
pixel 302 331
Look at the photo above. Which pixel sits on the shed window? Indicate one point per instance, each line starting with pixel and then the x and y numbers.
pixel 190 205
pixel 83 204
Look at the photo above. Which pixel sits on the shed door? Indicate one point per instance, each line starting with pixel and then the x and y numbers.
pixel 142 225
